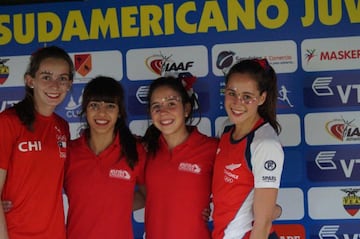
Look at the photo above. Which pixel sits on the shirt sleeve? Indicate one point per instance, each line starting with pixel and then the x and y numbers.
pixel 267 161
pixel 8 137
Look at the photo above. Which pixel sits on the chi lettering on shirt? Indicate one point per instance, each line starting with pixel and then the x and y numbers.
pixel 178 186
pixel 34 161
pixel 100 190
pixel 254 161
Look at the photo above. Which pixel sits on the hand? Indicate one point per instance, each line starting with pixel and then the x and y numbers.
pixel 206 214
pixel 7 205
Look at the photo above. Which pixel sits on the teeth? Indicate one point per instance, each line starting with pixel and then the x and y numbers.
pixel 237 111
pixel 166 122
pixel 53 95
pixel 101 121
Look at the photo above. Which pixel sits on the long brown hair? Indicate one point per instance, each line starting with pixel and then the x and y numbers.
pixel 261 71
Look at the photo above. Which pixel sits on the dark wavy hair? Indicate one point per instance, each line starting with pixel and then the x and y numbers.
pixel 25 109
pixel 152 134
pixel 264 75
pixel 109 90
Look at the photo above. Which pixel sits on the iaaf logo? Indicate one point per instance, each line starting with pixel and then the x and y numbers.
pixel 321 87
pixel 325 161
pixel 343 130
pixel 331 231
pixel 4 71
pixel 351 202
pixel 161 64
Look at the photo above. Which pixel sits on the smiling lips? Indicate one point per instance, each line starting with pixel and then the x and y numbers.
pixel 101 122
pixel 166 122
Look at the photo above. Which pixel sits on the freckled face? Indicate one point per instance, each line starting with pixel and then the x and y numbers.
pixel 242 99
pixel 50 84
pixel 168 112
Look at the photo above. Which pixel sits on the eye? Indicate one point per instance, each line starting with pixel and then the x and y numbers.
pixel 155 108
pixel 230 93
pixel 64 79
pixel 46 77
pixel 111 106
pixel 93 105
pixel 172 104
pixel 247 97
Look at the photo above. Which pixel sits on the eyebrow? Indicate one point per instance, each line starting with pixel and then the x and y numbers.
pixel 46 72
pixel 245 92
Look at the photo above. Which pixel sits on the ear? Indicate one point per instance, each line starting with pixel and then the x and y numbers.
pixel 262 98
pixel 29 81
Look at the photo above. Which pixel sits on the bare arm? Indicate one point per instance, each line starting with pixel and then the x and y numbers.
pixel 3 228
pixel 139 198
pixel 264 204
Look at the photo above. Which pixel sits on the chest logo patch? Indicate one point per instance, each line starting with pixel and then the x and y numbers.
pixel 191 168
pixel 233 166
pixel 119 173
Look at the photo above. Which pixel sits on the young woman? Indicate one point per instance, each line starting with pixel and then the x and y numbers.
pixel 179 166
pixel 249 158
pixel 34 149
pixel 103 167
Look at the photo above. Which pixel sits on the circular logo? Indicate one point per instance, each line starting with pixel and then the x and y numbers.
pixel 270 165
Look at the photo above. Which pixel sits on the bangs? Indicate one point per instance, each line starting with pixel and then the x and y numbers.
pixel 105 98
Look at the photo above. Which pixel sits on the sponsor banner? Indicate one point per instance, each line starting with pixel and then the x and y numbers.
pixel 138 127
pixel 287 91
pixel 9 98
pixel 337 89
pixel 293 172
pixel 290 134
pixel 329 54
pixel 341 202
pixel 290 231
pixel 332 128
pixel 282 55
pixel 335 230
pixel 291 201
pixel 12 69
pixel 335 164
pixel 70 108
pixel 87 66
pixel 76 129
pixel 151 63
pixel 290 128
pixel 94 63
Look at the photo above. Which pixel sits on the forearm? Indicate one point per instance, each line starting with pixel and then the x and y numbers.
pixel 261 229
pixel 3 227
pixel 263 208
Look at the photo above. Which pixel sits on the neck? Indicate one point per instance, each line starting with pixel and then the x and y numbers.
pixel 243 129
pixel 99 142
pixel 176 139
